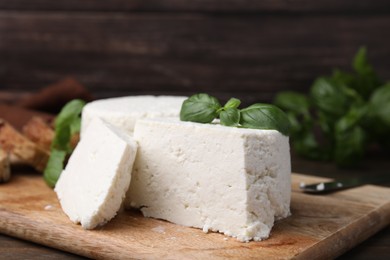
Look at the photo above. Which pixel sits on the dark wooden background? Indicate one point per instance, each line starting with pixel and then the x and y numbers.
pixel 246 48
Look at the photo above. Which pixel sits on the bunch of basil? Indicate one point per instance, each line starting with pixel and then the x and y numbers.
pixel 341 116
pixel 202 108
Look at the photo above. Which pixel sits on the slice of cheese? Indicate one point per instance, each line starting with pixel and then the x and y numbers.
pixel 94 183
pixel 231 180
pixel 123 112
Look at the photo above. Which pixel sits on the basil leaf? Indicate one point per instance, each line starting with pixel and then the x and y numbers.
pixel 350 138
pixel 349 147
pixel 293 102
pixel 367 80
pixel 328 97
pixel 297 106
pixel 75 126
pixel 380 104
pixel 200 108
pixel 69 113
pixel 295 125
pixel 230 117
pixel 351 119
pixel 326 123
pixel 67 123
pixel 377 121
pixel 54 167
pixel 307 145
pixel 232 103
pixel 62 138
pixel 265 116
pixel 343 78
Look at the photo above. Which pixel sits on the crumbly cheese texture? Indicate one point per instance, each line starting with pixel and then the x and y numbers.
pixel 123 112
pixel 93 185
pixel 230 180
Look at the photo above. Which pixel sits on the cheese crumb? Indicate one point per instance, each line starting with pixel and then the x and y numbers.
pixel 48 207
pixel 206 229
pixel 159 229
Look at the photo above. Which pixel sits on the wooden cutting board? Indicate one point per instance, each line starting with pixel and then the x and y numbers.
pixel 321 226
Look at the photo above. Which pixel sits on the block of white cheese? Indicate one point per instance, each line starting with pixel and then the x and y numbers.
pixel 230 180
pixel 93 185
pixel 123 112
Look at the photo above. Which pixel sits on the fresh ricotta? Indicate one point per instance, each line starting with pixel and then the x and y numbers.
pixel 230 180
pixel 123 112
pixel 94 183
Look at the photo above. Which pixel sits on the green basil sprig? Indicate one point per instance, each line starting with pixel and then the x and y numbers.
pixel 67 123
pixel 342 116
pixel 203 108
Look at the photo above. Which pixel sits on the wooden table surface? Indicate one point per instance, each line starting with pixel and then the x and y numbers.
pixel 377 246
